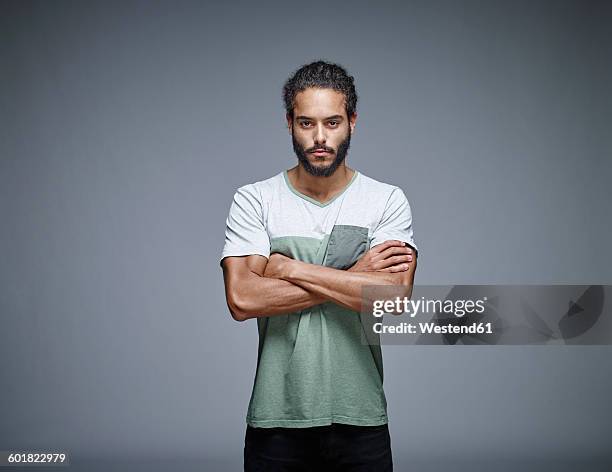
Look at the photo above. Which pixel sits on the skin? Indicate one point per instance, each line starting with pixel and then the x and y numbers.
pixel 320 120
pixel 256 286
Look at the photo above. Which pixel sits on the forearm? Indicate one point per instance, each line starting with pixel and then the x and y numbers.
pixel 341 286
pixel 263 296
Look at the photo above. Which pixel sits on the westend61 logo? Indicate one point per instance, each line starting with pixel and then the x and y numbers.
pixel 487 315
pixel 414 307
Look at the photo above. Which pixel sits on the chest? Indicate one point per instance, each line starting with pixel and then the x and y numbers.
pixel 335 235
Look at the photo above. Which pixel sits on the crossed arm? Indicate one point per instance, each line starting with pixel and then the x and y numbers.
pixel 256 286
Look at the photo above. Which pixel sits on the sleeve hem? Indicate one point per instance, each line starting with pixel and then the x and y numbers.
pixel 381 239
pixel 265 254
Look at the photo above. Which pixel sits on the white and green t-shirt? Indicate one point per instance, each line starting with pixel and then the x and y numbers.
pixel 312 367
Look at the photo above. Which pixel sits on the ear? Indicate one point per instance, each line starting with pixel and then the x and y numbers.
pixel 352 121
pixel 289 122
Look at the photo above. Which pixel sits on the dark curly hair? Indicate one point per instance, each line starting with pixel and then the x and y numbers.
pixel 320 74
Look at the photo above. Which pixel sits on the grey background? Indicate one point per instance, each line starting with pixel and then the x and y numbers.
pixel 125 128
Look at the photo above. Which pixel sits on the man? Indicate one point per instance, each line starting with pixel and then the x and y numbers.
pixel 299 246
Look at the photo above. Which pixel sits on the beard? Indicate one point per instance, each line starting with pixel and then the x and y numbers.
pixel 321 171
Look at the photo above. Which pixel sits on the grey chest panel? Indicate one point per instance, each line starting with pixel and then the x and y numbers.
pixel 347 243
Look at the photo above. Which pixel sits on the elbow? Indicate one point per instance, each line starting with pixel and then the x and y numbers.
pixel 404 289
pixel 238 308
pixel 408 291
pixel 238 315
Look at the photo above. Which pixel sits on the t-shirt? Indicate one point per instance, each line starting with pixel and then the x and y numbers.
pixel 313 369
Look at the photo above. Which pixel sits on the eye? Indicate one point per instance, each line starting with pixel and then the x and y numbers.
pixel 333 122
pixel 305 123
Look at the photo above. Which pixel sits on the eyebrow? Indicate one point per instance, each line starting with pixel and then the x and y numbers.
pixel 335 117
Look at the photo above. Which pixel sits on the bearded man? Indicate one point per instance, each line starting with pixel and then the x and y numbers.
pixel 299 247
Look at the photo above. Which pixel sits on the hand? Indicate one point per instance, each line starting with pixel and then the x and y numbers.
pixel 390 256
pixel 277 266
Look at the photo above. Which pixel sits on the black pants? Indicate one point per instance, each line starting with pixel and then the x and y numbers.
pixel 337 447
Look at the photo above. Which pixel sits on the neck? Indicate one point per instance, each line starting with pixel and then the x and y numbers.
pixel 320 188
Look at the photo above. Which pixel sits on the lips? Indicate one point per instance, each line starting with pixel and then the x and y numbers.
pixel 320 152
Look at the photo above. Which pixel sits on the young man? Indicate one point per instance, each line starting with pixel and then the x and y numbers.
pixel 299 246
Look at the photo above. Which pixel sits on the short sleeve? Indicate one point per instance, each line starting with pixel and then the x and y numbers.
pixel 396 221
pixel 245 232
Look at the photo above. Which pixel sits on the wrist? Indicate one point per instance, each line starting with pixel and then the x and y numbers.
pixel 289 269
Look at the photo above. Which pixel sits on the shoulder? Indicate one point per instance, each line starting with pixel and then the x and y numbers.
pixel 381 191
pixel 261 189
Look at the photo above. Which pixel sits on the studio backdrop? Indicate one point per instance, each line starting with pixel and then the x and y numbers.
pixel 125 129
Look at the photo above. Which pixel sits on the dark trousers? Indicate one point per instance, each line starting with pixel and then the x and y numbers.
pixel 337 447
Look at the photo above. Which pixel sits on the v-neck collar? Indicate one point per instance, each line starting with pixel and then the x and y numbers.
pixel 312 200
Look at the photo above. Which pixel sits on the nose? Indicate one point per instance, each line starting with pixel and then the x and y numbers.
pixel 319 137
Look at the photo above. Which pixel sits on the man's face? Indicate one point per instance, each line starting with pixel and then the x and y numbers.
pixel 320 124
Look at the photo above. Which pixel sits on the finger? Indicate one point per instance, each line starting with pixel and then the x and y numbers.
pixel 390 243
pixel 393 251
pixel 394 260
pixel 395 268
